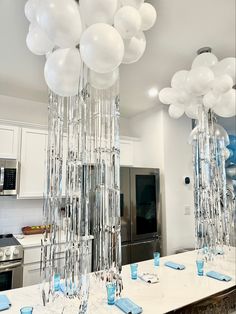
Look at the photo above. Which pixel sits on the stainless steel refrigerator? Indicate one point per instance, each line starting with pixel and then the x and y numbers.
pixel 140 213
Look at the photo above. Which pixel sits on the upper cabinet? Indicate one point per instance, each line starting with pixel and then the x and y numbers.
pixel 9 136
pixel 33 163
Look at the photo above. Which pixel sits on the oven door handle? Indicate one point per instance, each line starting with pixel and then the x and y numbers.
pixel 1 178
pixel 9 266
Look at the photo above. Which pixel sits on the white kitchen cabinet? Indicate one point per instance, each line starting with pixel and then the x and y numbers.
pixel 9 136
pixel 126 152
pixel 33 163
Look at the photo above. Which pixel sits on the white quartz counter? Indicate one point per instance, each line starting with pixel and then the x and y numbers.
pixel 175 289
pixel 30 240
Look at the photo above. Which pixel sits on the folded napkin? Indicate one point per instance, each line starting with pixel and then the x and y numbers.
pixel 128 307
pixel 4 302
pixel 149 278
pixel 218 276
pixel 174 265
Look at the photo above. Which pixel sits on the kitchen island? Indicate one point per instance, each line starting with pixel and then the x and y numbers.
pixel 176 288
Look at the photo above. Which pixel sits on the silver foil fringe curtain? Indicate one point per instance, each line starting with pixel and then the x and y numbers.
pixel 83 143
pixel 213 215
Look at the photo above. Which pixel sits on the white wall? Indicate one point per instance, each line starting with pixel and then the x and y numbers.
pixel 15 214
pixel 164 145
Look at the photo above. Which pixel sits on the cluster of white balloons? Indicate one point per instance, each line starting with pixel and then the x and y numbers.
pixel 209 83
pixel 107 33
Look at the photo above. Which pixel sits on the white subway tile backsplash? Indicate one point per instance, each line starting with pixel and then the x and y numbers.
pixel 15 214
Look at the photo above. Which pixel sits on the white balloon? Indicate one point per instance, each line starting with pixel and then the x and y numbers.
pixel 37 41
pixel 168 96
pixel 62 71
pixel 127 21
pixel 210 100
pixel 226 106
pixel 61 21
pixel 98 11
pixel 206 59
pixel 192 111
pixel 199 81
pixel 133 3
pixel 176 112
pixel 222 84
pixel 226 66
pixel 101 48
pixel 31 7
pixel 134 48
pixel 148 16
pixel 179 79
pixel 103 80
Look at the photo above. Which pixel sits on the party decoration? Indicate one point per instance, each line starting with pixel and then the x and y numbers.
pixel 204 91
pixel 148 16
pixel 103 80
pixel 133 3
pixel 82 74
pixel 62 71
pixel 207 59
pixel 37 41
pixel 176 111
pixel 127 21
pixel 99 11
pixel 134 48
pixel 31 7
pixel 101 48
pixel 61 21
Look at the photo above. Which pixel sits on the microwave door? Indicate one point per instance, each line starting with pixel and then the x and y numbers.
pixel 145 204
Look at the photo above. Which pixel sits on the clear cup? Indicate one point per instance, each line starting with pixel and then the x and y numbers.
pixel 200 267
pixel 111 292
pixel 134 271
pixel 156 257
pixel 26 310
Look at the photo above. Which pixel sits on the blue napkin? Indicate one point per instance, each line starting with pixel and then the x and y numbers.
pixel 128 307
pixel 4 302
pixel 174 265
pixel 218 276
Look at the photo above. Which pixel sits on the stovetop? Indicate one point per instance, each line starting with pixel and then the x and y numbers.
pixel 8 240
pixel 10 248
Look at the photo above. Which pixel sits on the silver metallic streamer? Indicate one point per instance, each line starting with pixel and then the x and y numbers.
pixel 212 213
pixel 84 138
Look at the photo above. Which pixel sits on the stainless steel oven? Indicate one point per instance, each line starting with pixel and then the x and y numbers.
pixel 11 257
pixel 11 275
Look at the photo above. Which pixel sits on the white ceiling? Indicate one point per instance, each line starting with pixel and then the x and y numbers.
pixel 182 27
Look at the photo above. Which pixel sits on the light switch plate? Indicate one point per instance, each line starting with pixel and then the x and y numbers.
pixel 187 210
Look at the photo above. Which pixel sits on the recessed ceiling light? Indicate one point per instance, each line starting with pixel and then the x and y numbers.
pixel 153 92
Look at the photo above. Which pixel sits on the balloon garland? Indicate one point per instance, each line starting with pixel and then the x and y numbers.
pixel 208 83
pixel 201 93
pixel 84 45
pixel 107 32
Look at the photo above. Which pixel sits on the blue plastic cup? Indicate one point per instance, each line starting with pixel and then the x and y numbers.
pixel 26 310
pixel 156 256
pixel 200 266
pixel 57 279
pixel 111 292
pixel 134 271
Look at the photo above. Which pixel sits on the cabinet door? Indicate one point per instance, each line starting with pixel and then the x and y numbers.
pixel 126 153
pixel 9 141
pixel 33 163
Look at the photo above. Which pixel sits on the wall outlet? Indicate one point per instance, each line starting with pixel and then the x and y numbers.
pixel 187 210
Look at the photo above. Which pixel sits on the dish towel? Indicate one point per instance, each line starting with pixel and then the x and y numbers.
pixel 128 307
pixel 174 265
pixel 149 278
pixel 4 302
pixel 218 276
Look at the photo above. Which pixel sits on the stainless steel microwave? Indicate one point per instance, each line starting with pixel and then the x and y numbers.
pixel 9 169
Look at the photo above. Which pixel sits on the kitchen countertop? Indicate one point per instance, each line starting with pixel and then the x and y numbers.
pixel 175 289
pixel 30 240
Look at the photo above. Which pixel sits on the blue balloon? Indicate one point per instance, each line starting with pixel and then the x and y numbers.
pixel 232 142
pixel 232 150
